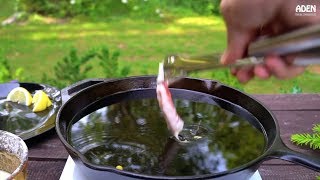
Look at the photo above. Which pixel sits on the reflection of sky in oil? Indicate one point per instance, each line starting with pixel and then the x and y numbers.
pixel 133 134
pixel 209 158
pixel 101 113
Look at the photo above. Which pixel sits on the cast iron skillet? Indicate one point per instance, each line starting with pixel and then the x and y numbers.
pixel 94 97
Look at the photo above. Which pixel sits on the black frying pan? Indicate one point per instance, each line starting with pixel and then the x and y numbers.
pixel 86 97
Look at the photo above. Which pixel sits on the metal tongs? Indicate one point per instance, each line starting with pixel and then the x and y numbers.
pixel 302 44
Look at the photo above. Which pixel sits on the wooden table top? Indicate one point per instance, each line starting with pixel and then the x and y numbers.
pixel 294 113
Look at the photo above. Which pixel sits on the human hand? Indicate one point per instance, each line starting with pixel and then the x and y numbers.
pixel 247 20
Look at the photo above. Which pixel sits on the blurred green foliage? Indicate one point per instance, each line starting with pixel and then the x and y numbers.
pixel 148 9
pixel 74 68
pixel 110 65
pixel 7 74
pixel 71 69
pixel 6 9
pixel 295 89
pixel 36 40
pixel 4 70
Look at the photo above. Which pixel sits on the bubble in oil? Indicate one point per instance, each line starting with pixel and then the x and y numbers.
pixel 191 133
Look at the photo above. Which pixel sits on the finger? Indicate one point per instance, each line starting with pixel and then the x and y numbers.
pixel 237 46
pixel 234 71
pixel 262 72
pixel 282 70
pixel 245 74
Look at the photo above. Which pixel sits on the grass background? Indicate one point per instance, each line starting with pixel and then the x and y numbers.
pixel 39 44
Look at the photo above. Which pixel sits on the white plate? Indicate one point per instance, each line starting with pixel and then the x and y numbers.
pixel 71 171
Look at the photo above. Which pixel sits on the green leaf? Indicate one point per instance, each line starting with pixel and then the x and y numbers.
pixel 316 128
pixel 313 140
pixel 301 139
pixel 125 71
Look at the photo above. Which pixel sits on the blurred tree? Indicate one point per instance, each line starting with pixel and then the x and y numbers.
pixel 70 70
pixel 74 68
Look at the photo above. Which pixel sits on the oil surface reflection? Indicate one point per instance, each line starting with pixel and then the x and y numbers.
pixel 133 134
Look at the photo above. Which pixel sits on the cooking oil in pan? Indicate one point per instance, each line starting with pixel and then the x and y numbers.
pixel 133 134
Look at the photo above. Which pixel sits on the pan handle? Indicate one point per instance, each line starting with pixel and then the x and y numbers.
pixel 69 91
pixel 281 151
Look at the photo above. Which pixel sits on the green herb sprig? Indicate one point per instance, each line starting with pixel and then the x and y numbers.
pixel 311 139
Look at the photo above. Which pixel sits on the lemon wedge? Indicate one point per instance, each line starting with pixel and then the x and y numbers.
pixel 20 95
pixel 119 167
pixel 41 101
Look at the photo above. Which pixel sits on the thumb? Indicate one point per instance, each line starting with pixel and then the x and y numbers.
pixel 237 46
